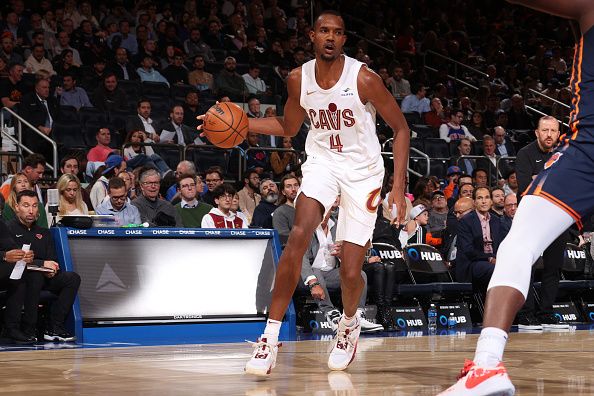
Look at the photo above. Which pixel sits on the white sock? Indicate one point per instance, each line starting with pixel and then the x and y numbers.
pixel 271 331
pixel 490 346
pixel 349 321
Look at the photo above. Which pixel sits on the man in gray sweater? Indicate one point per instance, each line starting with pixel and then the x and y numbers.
pixel 283 216
pixel 154 210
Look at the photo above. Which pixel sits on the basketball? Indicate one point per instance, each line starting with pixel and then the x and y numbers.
pixel 225 125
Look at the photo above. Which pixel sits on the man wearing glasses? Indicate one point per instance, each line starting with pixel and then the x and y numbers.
pixel 222 216
pixel 118 204
pixel 454 130
pixel 213 179
pixel 154 210
pixel 190 209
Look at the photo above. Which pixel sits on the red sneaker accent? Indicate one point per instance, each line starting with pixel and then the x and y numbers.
pixel 477 375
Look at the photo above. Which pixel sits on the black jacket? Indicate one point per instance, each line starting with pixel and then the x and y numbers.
pixel 263 215
pixel 116 69
pixel 40 239
pixel 189 133
pixel 529 162
pixel 32 110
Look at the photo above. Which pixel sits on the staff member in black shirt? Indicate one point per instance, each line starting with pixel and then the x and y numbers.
pixel 530 160
pixel 15 289
pixel 62 283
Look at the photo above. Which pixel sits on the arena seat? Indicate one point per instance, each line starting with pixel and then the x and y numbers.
pixel 131 87
pixel 69 135
pixel 154 89
pixel 437 148
pixel 69 114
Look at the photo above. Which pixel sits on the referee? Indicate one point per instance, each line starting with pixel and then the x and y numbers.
pixel 530 160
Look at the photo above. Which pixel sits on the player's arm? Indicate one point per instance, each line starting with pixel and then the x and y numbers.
pixel 294 114
pixel 372 89
pixel 580 10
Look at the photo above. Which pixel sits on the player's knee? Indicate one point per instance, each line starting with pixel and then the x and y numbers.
pixel 350 276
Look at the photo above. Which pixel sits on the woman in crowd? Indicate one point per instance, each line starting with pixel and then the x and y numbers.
pixel 137 155
pixel 283 162
pixel 20 183
pixel 70 202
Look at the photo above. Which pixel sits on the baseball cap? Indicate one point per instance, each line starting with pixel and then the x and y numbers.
pixel 436 193
pixel 113 161
pixel 452 170
pixel 416 211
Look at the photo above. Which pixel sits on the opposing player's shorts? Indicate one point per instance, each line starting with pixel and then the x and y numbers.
pixel 360 195
pixel 568 180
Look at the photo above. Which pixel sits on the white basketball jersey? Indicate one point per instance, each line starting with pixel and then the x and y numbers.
pixel 342 128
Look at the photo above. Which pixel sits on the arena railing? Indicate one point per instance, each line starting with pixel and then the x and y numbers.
pixel 421 156
pixel 171 146
pixel 187 152
pixel 497 162
pixel 20 121
pixel 243 155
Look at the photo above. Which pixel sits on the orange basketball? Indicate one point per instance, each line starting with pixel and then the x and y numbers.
pixel 225 125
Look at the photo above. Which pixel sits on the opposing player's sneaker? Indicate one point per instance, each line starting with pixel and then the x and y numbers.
pixel 551 322
pixel 344 345
pixel 366 325
pixel 527 321
pixel 333 316
pixel 264 357
pixel 480 381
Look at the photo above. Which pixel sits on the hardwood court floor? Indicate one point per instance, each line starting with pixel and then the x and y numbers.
pixel 540 364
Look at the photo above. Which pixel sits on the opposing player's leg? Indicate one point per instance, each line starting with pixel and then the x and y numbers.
pixel 308 215
pixel 537 223
pixel 356 221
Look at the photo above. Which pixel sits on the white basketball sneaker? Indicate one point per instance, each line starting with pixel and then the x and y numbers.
pixel 264 357
pixel 479 381
pixel 344 345
pixel 366 325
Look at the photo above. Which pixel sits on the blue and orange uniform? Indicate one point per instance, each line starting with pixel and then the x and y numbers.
pixel 568 176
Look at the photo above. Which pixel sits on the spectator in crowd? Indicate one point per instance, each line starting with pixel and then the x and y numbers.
pixel 222 216
pixel 202 80
pixel 63 43
pixel 147 72
pixel 213 178
pixel 69 164
pixel 480 178
pixel 503 147
pixel 284 214
pixel 497 199
pixel 130 181
pixel 155 211
pixel 399 86
pixel 490 161
pixel 8 51
pixel 19 182
pixel 122 67
pixel 509 211
pixel 101 151
pixel 33 168
pixel 479 237
pixel 176 131
pixel 518 117
pixel 184 167
pixel 436 117
pixel 41 110
pixel 416 102
pixel 114 165
pixel 476 125
pixel 176 73
pixel 453 175
pixel 123 39
pixel 491 111
pixel 64 284
pixel 193 109
pixel 142 121
pixel 16 290
pixel 262 217
pixel 109 97
pixel 462 180
pixel 236 210
pixel 285 161
pixel 320 272
pixel 71 95
pixel 254 84
pixel 248 195
pixel 438 213
pixel 97 73
pixel 256 159
pixel 190 209
pixel 70 201
pixel 12 88
pixel 511 183
pixel 194 46
pixel 454 130
pixel 37 61
pixel 461 208
pixel 118 204
pixel 415 230
pixel 65 64
pixel 229 83
pixel 137 155
pixel 254 108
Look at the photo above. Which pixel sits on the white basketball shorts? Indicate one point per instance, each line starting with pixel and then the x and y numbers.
pixel 360 195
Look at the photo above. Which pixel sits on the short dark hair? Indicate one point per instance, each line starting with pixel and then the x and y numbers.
pixel 26 193
pixel 474 192
pixel 141 101
pixel 477 170
pixel 186 176
pixel 223 189
pixel 66 158
pixel 33 160
pixel 215 169
pixel 115 182
pixel 248 173
pixel 495 189
pixel 108 75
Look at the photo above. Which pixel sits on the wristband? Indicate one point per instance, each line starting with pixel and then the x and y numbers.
pixel 312 285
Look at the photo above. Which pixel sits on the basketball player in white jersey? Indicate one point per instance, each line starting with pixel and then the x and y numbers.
pixel 340 96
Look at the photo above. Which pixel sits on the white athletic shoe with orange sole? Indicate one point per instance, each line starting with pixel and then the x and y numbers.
pixel 481 381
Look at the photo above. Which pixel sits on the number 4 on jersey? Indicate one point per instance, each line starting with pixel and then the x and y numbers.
pixel 335 143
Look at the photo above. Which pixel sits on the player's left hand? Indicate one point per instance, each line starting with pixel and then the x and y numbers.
pixel 397 198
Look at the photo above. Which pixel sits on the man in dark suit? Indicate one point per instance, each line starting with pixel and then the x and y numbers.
pixel 183 134
pixel 503 146
pixel 122 67
pixel 143 121
pixel 466 165
pixel 491 162
pixel 40 110
pixel 479 237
